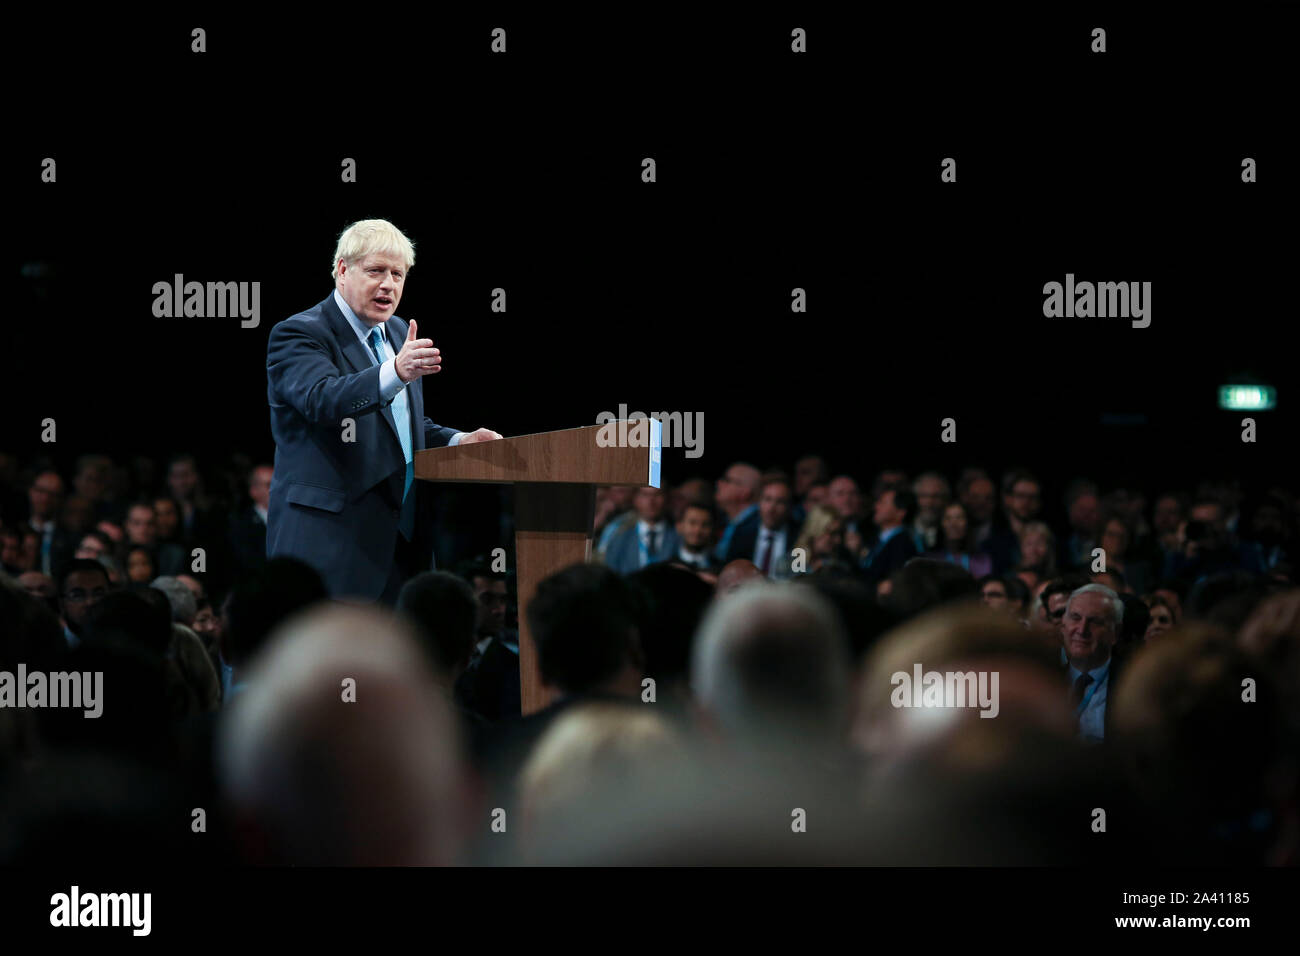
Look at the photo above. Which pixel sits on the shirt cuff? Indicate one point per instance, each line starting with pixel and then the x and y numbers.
pixel 389 383
pixel 455 439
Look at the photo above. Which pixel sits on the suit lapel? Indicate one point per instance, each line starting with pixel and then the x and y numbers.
pixel 357 355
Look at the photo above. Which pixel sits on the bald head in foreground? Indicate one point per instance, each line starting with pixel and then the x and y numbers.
pixel 341 750
pixel 772 659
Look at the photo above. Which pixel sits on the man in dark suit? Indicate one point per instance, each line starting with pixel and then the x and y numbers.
pixel 141 528
pixel 1021 500
pixel 56 545
pixel 489 684
pixel 695 529
pixel 1094 618
pixel 345 388
pixel 248 526
pixel 768 543
pixel 895 507
pixel 736 495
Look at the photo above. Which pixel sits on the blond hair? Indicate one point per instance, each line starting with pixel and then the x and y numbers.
pixel 820 517
pixel 372 237
pixel 599 748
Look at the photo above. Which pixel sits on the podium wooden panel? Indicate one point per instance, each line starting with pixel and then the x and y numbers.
pixel 555 475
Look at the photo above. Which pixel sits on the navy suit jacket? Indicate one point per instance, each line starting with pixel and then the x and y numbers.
pixel 335 504
pixel 745 541
pixel 881 562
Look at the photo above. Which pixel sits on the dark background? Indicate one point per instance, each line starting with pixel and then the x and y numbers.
pixel 774 171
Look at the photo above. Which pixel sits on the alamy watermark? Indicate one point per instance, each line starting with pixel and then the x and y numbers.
pixel 79 690
pixel 214 300
pixel 680 430
pixel 1101 300
pixel 947 689
pixel 75 908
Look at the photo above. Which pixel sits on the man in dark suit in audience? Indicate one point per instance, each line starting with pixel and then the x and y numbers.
pixel 894 547
pixel 489 685
pixel 248 526
pixel 1094 619
pixel 770 542
pixel 695 529
pixel 45 497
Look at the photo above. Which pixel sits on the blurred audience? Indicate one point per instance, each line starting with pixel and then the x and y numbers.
pixel 695 707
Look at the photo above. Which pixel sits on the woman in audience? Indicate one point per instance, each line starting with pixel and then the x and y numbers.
pixel 956 543
pixel 1162 616
pixel 1038 550
pixel 1115 538
pixel 822 538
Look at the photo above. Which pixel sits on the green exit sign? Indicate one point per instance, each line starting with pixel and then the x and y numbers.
pixel 1253 398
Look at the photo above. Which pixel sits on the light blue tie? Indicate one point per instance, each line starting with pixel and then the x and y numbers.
pixel 402 418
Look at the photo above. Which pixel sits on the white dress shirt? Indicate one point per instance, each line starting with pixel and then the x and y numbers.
pixel 767 538
pixel 695 560
pixel 1092 713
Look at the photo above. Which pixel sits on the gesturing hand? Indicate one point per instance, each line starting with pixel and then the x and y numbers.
pixel 418 357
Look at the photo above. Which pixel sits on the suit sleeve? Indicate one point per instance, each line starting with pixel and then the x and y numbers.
pixel 437 436
pixel 302 374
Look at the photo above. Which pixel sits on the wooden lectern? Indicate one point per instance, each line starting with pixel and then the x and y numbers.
pixel 555 475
